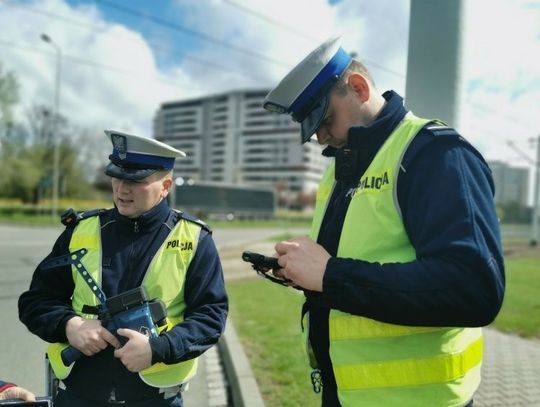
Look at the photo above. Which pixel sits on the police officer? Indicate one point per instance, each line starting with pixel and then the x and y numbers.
pixel 403 263
pixel 12 391
pixel 139 242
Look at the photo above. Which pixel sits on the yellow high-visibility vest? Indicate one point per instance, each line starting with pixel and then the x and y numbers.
pixel 164 279
pixel 382 364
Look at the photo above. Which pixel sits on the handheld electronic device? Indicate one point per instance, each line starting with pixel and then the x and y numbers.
pixel 263 265
pixel 130 309
pixel 260 261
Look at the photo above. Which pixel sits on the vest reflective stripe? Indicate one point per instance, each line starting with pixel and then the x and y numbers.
pixel 441 368
pixel 407 396
pixel 164 279
pixel 348 326
pixel 377 363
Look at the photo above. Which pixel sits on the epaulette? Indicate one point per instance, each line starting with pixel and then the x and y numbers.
pixel 71 217
pixel 191 218
pixel 438 128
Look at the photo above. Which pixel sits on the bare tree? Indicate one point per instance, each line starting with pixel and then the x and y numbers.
pixel 9 97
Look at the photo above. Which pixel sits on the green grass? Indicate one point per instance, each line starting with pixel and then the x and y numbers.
pixel 267 318
pixel 280 237
pixel 277 223
pixel 32 220
pixel 16 212
pixel 520 312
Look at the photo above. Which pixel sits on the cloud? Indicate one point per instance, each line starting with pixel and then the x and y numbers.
pixel 116 76
pixel 109 76
pixel 501 74
pixel 378 33
pixel 262 41
pixel 282 36
pixel 115 73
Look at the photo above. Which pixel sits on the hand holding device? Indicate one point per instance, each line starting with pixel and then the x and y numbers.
pixel 263 264
pixel 130 309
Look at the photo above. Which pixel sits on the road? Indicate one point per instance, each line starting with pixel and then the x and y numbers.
pixel 21 249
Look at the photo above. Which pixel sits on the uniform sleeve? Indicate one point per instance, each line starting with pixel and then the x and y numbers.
pixel 206 309
pixel 446 196
pixel 46 307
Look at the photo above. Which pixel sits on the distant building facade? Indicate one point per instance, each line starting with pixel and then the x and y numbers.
pixel 511 183
pixel 230 138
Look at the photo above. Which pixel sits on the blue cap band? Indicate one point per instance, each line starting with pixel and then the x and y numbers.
pixel 167 163
pixel 333 68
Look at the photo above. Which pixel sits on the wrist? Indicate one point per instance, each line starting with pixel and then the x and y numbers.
pixel 72 324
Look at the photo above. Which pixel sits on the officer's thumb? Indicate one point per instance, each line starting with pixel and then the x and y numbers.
pixel 128 333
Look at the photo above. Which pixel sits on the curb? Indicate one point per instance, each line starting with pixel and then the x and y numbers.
pixel 244 389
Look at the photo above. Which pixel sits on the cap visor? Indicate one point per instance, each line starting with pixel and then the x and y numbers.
pixel 313 120
pixel 131 174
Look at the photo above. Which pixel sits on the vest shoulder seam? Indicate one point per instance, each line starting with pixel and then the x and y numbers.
pixel 71 217
pixel 192 219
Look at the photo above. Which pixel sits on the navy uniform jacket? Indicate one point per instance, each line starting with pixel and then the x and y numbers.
pixel 128 247
pixel 445 192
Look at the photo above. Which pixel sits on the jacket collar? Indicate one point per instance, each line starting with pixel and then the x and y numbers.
pixel 373 136
pixel 145 223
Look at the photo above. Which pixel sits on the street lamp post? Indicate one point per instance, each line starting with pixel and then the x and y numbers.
pixel 536 197
pixel 56 127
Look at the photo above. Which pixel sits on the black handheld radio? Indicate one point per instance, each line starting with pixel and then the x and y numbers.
pixel 263 265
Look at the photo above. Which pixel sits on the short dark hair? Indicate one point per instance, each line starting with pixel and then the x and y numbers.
pixel 355 67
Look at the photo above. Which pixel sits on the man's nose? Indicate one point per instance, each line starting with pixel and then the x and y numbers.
pixel 322 135
pixel 123 185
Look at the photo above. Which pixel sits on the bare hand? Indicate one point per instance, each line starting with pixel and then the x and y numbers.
pixel 89 336
pixel 303 261
pixel 136 354
pixel 17 393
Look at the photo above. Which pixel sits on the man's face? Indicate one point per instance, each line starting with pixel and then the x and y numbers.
pixel 343 113
pixel 133 198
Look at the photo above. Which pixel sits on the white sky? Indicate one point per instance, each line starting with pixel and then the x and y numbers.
pixel 117 69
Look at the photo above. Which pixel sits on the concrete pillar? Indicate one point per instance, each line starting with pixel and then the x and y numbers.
pixel 433 64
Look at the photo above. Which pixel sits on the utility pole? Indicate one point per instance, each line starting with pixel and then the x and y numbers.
pixel 536 209
pixel 56 127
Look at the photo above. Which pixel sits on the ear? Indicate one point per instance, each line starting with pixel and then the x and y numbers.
pixel 359 85
pixel 167 185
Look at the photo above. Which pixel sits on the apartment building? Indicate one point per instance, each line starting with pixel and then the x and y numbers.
pixel 230 138
pixel 511 183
